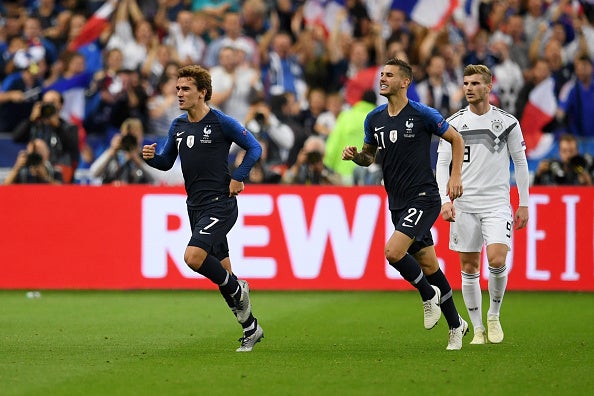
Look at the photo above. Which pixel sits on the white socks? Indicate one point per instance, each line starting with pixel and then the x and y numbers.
pixel 497 285
pixel 471 292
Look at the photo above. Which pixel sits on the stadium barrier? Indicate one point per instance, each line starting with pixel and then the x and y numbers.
pixel 286 238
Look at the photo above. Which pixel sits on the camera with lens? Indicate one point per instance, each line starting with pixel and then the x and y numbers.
pixel 47 110
pixel 578 164
pixel 129 143
pixel 33 159
pixel 313 157
pixel 260 118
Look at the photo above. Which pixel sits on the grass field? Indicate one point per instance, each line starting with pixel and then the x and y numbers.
pixel 316 343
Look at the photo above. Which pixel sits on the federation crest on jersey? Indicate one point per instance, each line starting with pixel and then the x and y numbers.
pixel 497 126
pixel 206 135
pixel 393 135
pixel 190 141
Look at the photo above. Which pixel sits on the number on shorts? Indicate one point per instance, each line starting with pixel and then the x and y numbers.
pixel 509 228
pixel 412 218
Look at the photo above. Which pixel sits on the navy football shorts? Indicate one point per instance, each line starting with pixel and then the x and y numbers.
pixel 416 219
pixel 211 224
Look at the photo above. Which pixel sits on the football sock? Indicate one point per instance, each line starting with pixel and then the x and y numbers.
pixel 228 299
pixel 471 292
pixel 212 269
pixel 410 270
pixel 447 301
pixel 497 285
pixel 250 325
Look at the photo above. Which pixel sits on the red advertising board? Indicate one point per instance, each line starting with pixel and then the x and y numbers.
pixel 286 238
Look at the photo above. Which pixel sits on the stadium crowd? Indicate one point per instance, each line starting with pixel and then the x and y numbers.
pixel 299 74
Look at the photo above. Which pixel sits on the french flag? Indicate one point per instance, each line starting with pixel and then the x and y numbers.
pixel 539 111
pixel 429 13
pixel 325 13
pixel 94 26
pixel 73 92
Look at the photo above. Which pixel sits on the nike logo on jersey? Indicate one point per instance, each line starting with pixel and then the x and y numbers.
pixel 378 128
pixel 180 133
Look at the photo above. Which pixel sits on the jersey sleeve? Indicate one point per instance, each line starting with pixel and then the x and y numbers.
pixel 515 142
pixel 244 139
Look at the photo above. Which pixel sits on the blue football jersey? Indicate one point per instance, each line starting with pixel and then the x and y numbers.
pixel 404 143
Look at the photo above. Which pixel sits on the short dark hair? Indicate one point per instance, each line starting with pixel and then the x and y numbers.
pixel 405 68
pixel 201 78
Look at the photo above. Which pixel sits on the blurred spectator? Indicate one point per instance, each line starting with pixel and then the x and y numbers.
pixel 287 110
pixel 309 167
pixel 190 48
pixel 163 106
pixel 326 121
pixel 160 58
pixel 122 163
pixel 37 43
pixel 519 47
pixel 316 100
pixel 508 76
pixel 576 108
pixel 61 137
pixel 234 83
pixel 254 15
pixel 437 91
pixel 266 127
pixel 33 166
pixel 572 168
pixel 232 36
pixel 479 52
pixel 347 132
pixel 135 39
pixel 533 18
pixel 20 90
pixel 282 71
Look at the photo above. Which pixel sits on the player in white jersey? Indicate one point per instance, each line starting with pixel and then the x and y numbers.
pixel 483 215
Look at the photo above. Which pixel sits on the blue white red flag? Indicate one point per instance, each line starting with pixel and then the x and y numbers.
pixel 93 27
pixel 325 13
pixel 73 92
pixel 429 13
pixel 539 111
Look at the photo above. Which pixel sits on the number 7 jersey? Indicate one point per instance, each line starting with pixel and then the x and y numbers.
pixel 488 141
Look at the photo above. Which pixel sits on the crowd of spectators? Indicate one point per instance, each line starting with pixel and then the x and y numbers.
pixel 301 81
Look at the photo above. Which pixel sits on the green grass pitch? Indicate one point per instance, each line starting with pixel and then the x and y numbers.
pixel 316 343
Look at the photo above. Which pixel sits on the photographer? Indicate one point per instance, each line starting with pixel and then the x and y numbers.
pixel 32 166
pixel 309 167
pixel 61 137
pixel 571 168
pixel 121 163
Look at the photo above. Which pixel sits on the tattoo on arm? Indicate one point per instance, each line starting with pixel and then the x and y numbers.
pixel 366 156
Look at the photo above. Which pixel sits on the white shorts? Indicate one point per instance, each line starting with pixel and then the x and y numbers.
pixel 471 230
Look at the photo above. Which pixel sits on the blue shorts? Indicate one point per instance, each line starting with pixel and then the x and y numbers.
pixel 416 219
pixel 211 224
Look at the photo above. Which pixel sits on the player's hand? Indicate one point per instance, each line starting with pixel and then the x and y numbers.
pixel 448 212
pixel 235 187
pixel 148 151
pixel 521 217
pixel 455 187
pixel 349 153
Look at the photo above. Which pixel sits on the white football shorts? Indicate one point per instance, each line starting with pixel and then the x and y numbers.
pixel 471 230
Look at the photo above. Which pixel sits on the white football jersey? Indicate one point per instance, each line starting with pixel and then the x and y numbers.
pixel 488 141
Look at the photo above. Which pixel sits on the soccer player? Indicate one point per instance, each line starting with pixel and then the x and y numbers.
pixel 400 133
pixel 484 215
pixel 202 138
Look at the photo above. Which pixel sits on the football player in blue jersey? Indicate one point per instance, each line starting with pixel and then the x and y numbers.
pixel 400 133
pixel 202 137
